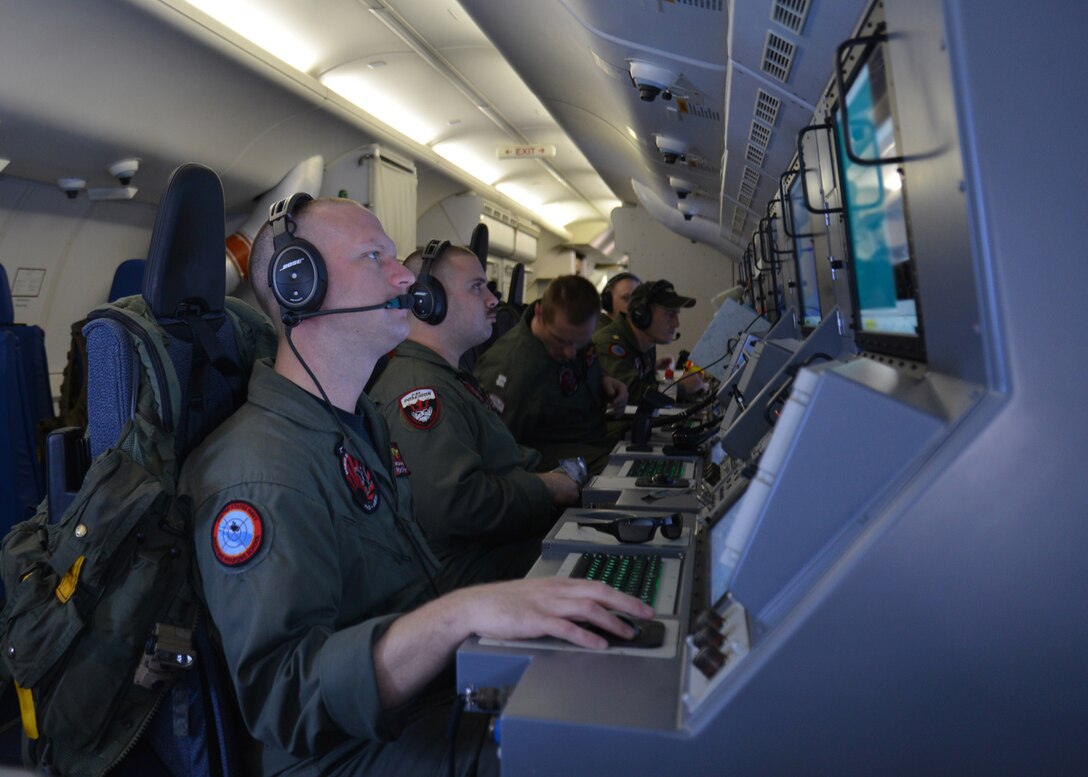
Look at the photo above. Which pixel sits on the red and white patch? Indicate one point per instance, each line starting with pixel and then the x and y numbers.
pixel 237 533
pixel 617 350
pixel 400 469
pixel 360 480
pixel 420 407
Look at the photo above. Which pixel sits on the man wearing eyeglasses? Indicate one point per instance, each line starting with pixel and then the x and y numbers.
pixel 628 346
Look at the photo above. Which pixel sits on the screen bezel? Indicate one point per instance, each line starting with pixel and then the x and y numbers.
pixel 885 343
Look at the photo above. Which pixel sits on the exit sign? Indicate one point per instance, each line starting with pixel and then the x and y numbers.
pixel 524 152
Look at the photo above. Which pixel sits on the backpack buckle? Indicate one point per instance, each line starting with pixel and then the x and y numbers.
pixel 169 650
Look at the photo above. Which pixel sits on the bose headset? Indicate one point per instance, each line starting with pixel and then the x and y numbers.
pixel 298 277
pixel 606 294
pixel 639 312
pixel 428 293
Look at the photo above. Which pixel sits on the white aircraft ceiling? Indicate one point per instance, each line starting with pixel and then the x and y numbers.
pixel 263 85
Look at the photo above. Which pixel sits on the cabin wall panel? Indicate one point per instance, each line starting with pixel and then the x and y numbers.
pixel 78 243
pixel 696 270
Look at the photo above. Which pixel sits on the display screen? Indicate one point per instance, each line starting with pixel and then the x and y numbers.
pixel 882 269
pixel 806 256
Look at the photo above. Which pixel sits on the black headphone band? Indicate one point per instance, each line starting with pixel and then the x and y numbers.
pixel 428 294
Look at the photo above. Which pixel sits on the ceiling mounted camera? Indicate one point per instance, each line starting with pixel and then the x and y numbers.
pixel 651 80
pixel 124 170
pixel 681 187
pixel 672 149
pixel 71 186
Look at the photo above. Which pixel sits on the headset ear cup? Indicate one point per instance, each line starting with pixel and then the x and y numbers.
pixel 298 276
pixel 640 315
pixel 428 300
pixel 606 300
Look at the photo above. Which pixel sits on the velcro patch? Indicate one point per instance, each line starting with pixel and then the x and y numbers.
pixel 500 381
pixel 237 534
pixel 360 480
pixel 420 407
pixel 496 402
pixel 400 469
pixel 568 381
pixel 617 350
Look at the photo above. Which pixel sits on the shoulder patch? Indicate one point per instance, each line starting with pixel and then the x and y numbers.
pixel 360 480
pixel 496 402
pixel 400 469
pixel 617 350
pixel 420 407
pixel 237 533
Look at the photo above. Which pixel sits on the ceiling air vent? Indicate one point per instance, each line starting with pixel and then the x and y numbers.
pixel 754 155
pixel 760 135
pixel 767 107
pixel 791 14
pixel 777 57
pixel 706 5
pixel 750 176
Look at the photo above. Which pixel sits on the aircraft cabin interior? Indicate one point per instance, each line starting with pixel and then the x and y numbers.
pixel 866 537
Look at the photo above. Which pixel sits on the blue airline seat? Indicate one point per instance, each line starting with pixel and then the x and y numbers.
pixel 25 401
pixel 128 279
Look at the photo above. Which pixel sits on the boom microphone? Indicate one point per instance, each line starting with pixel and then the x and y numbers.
pixel 400 302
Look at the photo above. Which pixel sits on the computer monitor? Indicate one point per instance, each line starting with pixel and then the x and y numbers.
pixel 887 312
pixel 805 256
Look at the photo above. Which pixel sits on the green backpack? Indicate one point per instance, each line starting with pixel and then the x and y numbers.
pixel 102 605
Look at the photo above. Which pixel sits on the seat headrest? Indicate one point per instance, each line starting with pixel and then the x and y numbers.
pixel 7 309
pixel 128 279
pixel 185 261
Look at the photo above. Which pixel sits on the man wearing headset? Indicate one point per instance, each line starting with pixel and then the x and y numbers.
pixel 544 377
pixel 616 296
pixel 314 573
pixel 628 346
pixel 481 504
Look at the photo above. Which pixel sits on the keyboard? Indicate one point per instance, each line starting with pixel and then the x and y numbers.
pixel 645 468
pixel 636 574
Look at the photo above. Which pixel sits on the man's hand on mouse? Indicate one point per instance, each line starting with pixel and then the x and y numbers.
pixel 548 607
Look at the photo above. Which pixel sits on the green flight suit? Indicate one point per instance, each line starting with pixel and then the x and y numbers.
pixel 557 408
pixel 621 358
pixel 483 510
pixel 306 551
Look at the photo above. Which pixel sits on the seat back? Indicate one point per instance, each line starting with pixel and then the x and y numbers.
pixel 196 730
pixel 128 279
pixel 25 401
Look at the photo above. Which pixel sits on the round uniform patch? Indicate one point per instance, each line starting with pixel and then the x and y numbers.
pixel 617 350
pixel 568 381
pixel 420 407
pixel 236 535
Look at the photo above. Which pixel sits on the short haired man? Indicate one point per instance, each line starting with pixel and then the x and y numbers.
pixel 312 567
pixel 616 296
pixel 628 346
pixel 544 377
pixel 481 504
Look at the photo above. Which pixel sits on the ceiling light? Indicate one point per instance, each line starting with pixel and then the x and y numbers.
pixel 380 105
pixel 567 212
pixel 520 194
pixel 4 163
pixel 468 161
pixel 254 22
